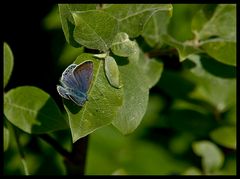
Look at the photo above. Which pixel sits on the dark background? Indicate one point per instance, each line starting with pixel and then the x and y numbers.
pixel 31 45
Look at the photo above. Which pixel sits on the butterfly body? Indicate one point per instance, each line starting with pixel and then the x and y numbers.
pixel 75 81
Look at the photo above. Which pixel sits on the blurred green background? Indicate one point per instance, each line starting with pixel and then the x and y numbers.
pixel 177 118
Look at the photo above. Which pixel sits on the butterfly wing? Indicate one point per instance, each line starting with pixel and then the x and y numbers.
pixel 67 79
pixel 79 100
pixel 83 74
pixel 62 91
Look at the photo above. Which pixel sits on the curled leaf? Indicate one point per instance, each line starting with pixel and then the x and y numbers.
pixel 123 46
pixel 112 72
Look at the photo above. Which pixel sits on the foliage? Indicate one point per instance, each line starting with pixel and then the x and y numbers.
pixel 170 93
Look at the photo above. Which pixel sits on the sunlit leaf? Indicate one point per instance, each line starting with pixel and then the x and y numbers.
pixel 138 75
pixel 157 26
pixel 212 156
pixel 219 91
pixel 133 17
pixel 112 72
pixel 222 50
pixel 184 48
pixel 225 136
pixel 67 21
pixel 94 29
pixel 102 105
pixel 33 110
pixel 8 63
pixel 122 46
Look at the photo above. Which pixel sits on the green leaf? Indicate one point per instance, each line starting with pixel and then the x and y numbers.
pixel 222 23
pixel 184 48
pixel 225 136
pixel 192 121
pixel 133 17
pixel 135 74
pixel 202 16
pixel 102 106
pixel 221 26
pixel 192 171
pixel 33 110
pixel 95 29
pixel 152 68
pixel 212 156
pixel 6 135
pixel 122 46
pixel 220 91
pixel 112 72
pixel 8 63
pixel 221 49
pixel 65 11
pixel 156 27
pixel 52 20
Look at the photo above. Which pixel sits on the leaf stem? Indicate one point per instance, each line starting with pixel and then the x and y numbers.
pixel 21 153
pixel 51 141
pixel 75 160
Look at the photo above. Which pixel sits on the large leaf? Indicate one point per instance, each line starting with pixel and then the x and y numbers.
pixel 112 72
pixel 6 135
pixel 95 29
pixel 122 46
pixel 221 49
pixel 184 48
pixel 202 16
pixel 225 136
pixel 102 106
pixel 156 27
pixel 137 78
pixel 212 156
pixel 65 11
pixel 8 63
pixel 133 17
pixel 222 25
pixel 33 110
pixel 214 85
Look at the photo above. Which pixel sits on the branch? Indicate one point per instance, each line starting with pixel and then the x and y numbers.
pixel 76 166
pixel 51 141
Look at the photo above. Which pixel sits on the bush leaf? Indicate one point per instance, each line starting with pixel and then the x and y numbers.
pixel 222 28
pixel 133 17
pixel 135 75
pixel 6 135
pixel 211 80
pixel 156 27
pixel 225 136
pixel 112 72
pixel 67 21
pixel 184 48
pixel 95 29
pixel 101 107
pixel 212 156
pixel 33 110
pixel 122 46
pixel 8 63
pixel 222 50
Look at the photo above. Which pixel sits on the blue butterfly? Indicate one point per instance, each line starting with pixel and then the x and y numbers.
pixel 76 80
